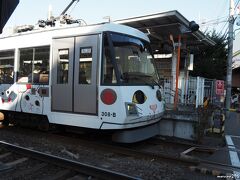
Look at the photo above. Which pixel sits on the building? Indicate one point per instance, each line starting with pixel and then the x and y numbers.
pixel 236 80
pixel 236 51
pixel 236 64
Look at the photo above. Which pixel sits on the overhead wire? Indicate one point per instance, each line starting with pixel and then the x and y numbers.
pixel 225 25
pixel 224 29
pixel 214 20
pixel 219 20
pixel 225 33
pixel 214 23
pixel 236 4
pixel 74 7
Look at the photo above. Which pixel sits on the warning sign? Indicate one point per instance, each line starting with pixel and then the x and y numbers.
pixel 219 87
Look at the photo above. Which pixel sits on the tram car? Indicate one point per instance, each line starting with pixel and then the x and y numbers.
pixel 99 77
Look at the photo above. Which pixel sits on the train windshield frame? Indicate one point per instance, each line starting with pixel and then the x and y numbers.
pixel 127 60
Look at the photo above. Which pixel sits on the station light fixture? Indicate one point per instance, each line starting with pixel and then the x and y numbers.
pixel 193 26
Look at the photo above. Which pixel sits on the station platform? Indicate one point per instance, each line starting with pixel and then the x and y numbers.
pixel 229 155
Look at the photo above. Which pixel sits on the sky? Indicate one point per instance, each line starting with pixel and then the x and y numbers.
pixel 92 11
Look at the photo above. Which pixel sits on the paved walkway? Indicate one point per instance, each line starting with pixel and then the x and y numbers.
pixel 232 136
pixel 231 153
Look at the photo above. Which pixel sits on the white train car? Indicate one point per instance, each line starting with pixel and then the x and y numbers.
pixel 100 77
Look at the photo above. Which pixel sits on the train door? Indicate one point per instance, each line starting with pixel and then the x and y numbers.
pixel 85 81
pixel 62 74
pixel 74 78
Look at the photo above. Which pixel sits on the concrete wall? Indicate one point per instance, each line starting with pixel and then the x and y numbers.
pixel 179 124
pixel 178 129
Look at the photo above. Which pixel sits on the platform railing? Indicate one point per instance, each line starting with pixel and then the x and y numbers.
pixel 192 91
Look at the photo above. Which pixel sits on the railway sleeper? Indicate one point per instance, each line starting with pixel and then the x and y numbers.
pixel 27 171
pixel 4 167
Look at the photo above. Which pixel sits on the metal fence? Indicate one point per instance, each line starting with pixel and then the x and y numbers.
pixel 191 90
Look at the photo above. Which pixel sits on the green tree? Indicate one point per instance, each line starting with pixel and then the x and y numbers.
pixel 211 61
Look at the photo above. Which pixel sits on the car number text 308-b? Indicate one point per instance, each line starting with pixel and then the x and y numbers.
pixel 108 114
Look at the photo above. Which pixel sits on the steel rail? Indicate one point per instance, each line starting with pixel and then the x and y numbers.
pixel 136 153
pixel 70 164
pixel 160 155
pixel 177 157
pixel 169 141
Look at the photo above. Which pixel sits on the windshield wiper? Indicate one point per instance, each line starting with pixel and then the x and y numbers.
pixel 156 83
pixel 127 76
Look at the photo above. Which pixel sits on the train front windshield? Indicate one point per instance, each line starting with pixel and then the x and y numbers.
pixel 127 60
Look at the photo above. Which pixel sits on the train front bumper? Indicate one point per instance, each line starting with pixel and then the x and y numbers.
pixel 134 122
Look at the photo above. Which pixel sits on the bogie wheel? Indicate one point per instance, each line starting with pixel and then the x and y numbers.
pixel 43 124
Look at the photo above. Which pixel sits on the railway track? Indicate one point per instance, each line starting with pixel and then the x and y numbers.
pixel 19 162
pixel 109 153
pixel 184 157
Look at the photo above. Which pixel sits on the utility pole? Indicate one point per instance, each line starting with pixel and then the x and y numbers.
pixel 230 54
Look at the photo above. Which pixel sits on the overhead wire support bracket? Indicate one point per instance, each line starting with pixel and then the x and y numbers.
pixel 66 9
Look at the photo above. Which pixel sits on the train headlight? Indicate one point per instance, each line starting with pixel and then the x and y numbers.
pixel 108 96
pixel 159 95
pixel 131 109
pixel 139 97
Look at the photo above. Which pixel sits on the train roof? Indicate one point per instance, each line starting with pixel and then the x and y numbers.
pixel 70 30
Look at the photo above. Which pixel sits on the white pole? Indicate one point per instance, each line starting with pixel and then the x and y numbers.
pixel 49 12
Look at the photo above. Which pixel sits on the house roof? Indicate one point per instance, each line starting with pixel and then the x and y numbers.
pixel 161 25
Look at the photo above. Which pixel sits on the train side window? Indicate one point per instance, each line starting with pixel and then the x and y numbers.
pixel 108 72
pixel 34 65
pixel 6 67
pixel 41 65
pixel 109 76
pixel 25 66
pixel 85 65
pixel 62 66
